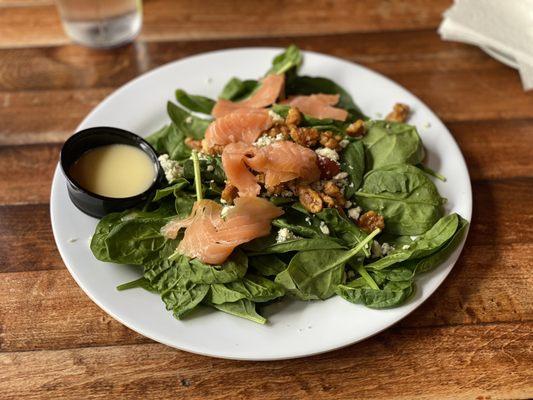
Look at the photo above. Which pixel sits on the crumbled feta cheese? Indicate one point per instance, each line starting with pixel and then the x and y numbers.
pixel 351 184
pixel 341 176
pixel 413 238
pixel 202 156
pixel 344 142
pixel 405 246
pixel 188 119
pixel 355 213
pixel 222 201
pixel 328 153
pixel 224 211
pixel 210 168
pixel 348 204
pixel 386 248
pixel 170 167
pixel 279 137
pixel 287 193
pixel 266 140
pixel 275 116
pixel 350 166
pixel 308 220
pixel 285 234
pixel 324 228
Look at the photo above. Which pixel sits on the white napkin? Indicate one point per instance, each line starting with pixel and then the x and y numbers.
pixel 503 25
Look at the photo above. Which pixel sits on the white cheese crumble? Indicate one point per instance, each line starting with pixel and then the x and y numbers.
pixel 413 238
pixel 405 246
pixel 210 168
pixel 202 156
pixel 324 228
pixel 386 248
pixel 287 193
pixel 170 167
pixel 355 213
pixel 188 120
pixel 285 234
pixel 224 211
pixel 308 220
pixel 266 140
pixel 275 116
pixel 344 142
pixel 340 176
pixel 327 153
pixel 348 204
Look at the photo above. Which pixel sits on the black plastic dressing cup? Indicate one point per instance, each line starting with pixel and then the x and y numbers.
pixel 91 203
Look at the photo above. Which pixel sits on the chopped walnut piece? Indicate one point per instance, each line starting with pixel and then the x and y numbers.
pixel 399 113
pixel 356 129
pixel 306 137
pixel 328 200
pixel 294 117
pixel 327 139
pixel 279 129
pixel 213 150
pixel 193 144
pixel 310 199
pixel 332 190
pixel 371 220
pixel 229 193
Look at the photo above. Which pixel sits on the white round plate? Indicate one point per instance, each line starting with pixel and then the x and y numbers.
pixel 295 329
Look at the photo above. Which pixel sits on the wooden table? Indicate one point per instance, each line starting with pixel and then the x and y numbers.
pixel 471 340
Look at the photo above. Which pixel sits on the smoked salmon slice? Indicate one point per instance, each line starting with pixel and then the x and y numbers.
pixel 211 238
pixel 243 125
pixel 280 162
pixel 318 106
pixel 267 94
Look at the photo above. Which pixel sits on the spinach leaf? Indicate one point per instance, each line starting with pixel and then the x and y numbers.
pixel 185 122
pixel 215 172
pixel 243 308
pixel 170 140
pixel 290 59
pixel 326 124
pixel 183 203
pixel 138 283
pixel 268 245
pixel 429 171
pixel 195 103
pixel 307 85
pixel 233 269
pixel 392 295
pixel 182 300
pixel 437 258
pixel 353 162
pixel 389 143
pixel 131 237
pixel 315 274
pixel 180 184
pixel 255 288
pixel 344 229
pixel 267 265
pixel 426 244
pixel 404 195
pixel 237 90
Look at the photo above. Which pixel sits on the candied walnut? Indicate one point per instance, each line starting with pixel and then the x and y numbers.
pixel 279 129
pixel 310 199
pixel 356 129
pixel 327 139
pixel 328 168
pixel 328 200
pixel 399 113
pixel 306 137
pixel 294 117
pixel 213 150
pixel 193 144
pixel 332 190
pixel 371 220
pixel 229 193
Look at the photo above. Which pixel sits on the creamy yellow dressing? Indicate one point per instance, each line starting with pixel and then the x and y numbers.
pixel 115 170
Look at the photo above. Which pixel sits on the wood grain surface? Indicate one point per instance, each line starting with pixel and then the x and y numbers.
pixel 471 340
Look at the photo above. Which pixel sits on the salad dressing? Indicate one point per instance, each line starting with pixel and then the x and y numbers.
pixel 115 170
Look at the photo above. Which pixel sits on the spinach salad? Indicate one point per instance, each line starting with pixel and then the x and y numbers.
pixel 364 229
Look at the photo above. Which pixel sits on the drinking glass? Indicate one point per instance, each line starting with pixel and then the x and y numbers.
pixel 101 23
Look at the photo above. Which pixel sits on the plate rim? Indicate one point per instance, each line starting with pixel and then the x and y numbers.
pixel 294 354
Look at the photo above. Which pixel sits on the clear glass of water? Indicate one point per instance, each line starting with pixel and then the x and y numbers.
pixel 101 23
